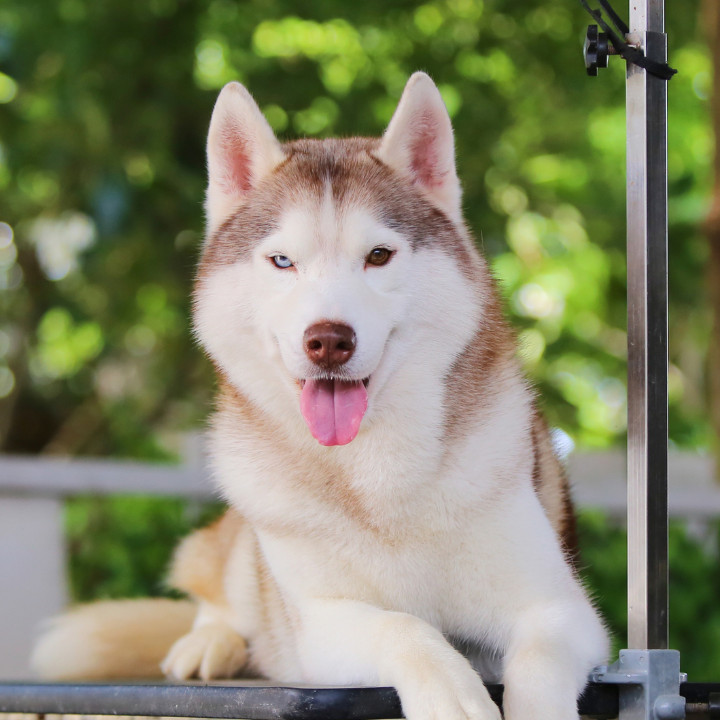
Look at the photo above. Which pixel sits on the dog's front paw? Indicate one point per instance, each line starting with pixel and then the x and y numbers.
pixel 210 651
pixel 445 691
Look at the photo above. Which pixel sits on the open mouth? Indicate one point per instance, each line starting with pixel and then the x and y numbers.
pixel 333 408
pixel 365 381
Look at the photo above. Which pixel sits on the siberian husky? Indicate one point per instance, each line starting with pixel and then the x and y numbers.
pixel 392 485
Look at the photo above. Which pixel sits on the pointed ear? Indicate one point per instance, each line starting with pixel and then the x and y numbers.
pixel 419 144
pixel 241 149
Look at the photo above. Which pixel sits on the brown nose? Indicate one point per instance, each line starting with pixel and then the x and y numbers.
pixel 329 344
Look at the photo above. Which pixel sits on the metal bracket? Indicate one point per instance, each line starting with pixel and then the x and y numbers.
pixel 596 50
pixel 649 684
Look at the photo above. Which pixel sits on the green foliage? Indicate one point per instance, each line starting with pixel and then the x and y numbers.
pixel 104 111
pixel 121 547
pixel 694 589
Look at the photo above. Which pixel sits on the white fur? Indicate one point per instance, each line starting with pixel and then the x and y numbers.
pixel 237 124
pixel 212 649
pixel 112 639
pixel 380 549
pixel 458 543
pixel 420 135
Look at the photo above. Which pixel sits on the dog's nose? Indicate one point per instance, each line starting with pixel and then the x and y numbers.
pixel 329 344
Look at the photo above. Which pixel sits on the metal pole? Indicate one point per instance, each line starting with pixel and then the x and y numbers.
pixel 647 334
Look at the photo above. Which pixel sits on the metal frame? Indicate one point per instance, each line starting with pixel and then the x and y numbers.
pixel 648 683
pixel 258 701
pixel 646 100
pixel 648 673
pixel 267 701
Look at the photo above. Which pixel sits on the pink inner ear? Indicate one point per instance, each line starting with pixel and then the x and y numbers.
pixel 236 176
pixel 425 160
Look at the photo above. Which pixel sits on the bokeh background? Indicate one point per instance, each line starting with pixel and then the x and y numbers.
pixel 104 108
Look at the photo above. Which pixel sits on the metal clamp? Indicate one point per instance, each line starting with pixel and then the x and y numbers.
pixel 596 50
pixel 649 684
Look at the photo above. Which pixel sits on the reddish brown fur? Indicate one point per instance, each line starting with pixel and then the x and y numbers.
pixel 552 486
pixel 200 559
pixel 356 178
pixel 469 382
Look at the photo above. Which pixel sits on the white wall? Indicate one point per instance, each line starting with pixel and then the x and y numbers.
pixel 32 576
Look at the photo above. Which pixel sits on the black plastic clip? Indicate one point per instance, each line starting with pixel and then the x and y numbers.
pixel 595 50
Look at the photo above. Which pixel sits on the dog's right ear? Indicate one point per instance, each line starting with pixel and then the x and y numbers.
pixel 419 144
pixel 241 149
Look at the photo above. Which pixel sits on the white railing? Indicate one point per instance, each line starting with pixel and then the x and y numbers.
pixel 33 585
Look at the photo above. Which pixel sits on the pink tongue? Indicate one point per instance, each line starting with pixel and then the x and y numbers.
pixel 333 409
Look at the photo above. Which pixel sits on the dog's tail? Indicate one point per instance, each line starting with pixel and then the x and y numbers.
pixel 112 639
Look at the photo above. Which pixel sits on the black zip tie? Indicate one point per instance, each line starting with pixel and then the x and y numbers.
pixel 628 52
pixel 617 20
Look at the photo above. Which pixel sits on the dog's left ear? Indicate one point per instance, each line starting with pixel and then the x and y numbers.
pixel 419 144
pixel 241 150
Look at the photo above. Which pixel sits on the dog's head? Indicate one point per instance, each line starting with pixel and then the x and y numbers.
pixel 329 265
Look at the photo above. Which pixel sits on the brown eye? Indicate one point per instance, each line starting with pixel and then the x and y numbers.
pixel 378 256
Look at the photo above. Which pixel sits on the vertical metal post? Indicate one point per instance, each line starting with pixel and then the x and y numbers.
pixel 647 673
pixel 647 334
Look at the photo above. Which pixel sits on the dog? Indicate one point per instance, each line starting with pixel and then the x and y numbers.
pixel 392 485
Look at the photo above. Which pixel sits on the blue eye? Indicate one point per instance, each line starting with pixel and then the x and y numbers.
pixel 281 261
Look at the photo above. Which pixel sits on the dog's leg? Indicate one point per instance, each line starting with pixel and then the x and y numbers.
pixel 547 664
pixel 342 641
pixel 212 649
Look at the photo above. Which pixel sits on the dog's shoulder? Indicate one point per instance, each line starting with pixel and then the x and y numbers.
pixel 199 564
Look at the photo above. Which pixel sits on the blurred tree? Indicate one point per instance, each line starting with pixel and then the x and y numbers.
pixel 102 173
pixel 711 13
pixel 105 108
